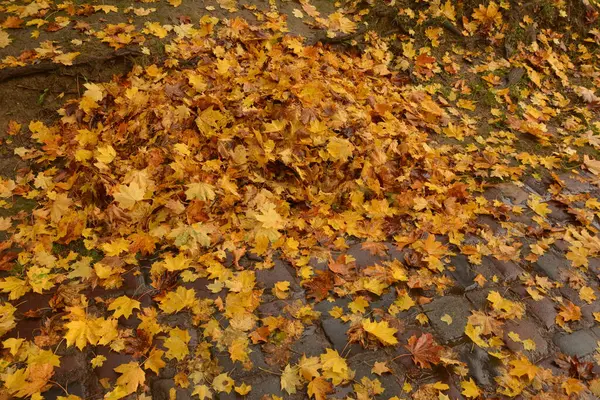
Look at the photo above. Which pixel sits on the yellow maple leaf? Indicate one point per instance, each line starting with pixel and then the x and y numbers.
pixel 155 361
pixel 309 367
pixel 538 206
pixel 290 379
pixel 319 388
pixel 381 330
pixel 7 318
pixel 176 301
pixel 5 39
pixel 98 361
pixel 203 392
pixel 177 344
pixel 339 149
pixel 123 306
pixel 81 332
pixel 105 154
pixel 470 389
pixel 523 367
pixel 132 376
pixel 243 389
pixel 201 191
pixel 380 368
pixel 223 383
pixel 66 58
pixel 13 344
pixel 127 196
pixel 15 287
pixel 587 294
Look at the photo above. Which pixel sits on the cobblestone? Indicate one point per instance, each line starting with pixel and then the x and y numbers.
pixel 463 273
pixel 507 269
pixel 579 343
pixel 457 307
pixel 552 265
pixel 543 309
pixel 483 366
pixel 526 329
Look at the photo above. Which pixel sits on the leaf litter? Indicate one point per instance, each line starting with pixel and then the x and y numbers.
pixel 262 148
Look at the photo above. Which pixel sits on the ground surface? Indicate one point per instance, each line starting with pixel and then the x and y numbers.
pixel 400 200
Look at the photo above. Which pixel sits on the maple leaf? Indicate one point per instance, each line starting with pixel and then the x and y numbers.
pixel 243 389
pixel 568 312
pixel 127 196
pixel 14 286
pixel 592 165
pixel 381 330
pixel 132 376
pixel 425 351
pixel 470 389
pixel 223 383
pixel 339 149
pixel 309 367
pixel 319 388
pixel 5 39
pixel 123 306
pixel 523 366
pixel 201 191
pixel 380 368
pixel 178 300
pixel 290 379
pixel 177 344
pixel 335 367
pixel 155 361
pixel 81 333
pixel 203 392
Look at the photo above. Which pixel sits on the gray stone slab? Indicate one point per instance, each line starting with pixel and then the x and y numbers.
pixel 579 343
pixel 552 265
pixel 457 307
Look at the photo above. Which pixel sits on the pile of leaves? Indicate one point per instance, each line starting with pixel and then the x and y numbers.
pixel 246 147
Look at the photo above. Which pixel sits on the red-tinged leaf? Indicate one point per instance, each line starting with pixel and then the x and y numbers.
pixel 425 351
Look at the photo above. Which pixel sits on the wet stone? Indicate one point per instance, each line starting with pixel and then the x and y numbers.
pixel 312 343
pixel 514 193
pixel 575 184
pixel 336 332
pixel 395 253
pixel 507 269
pixel 543 309
pixel 74 366
pixel 479 298
pixel 579 343
pixel 526 329
pixel 552 265
pixel 538 186
pixel 384 301
pixel 558 213
pixel 487 221
pixel 463 273
pixel 264 385
pixel 363 363
pixel 267 278
pixel 457 307
pixel 161 390
pixel 364 258
pixel 481 365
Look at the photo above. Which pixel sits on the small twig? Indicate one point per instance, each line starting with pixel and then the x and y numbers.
pixel 269 371
pixel 401 355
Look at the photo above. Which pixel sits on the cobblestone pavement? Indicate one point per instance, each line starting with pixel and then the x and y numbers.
pixel 469 284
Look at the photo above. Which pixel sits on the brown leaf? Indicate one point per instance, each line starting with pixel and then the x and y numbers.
pixel 340 266
pixel 319 388
pixel 375 248
pixel 320 285
pixel 425 351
